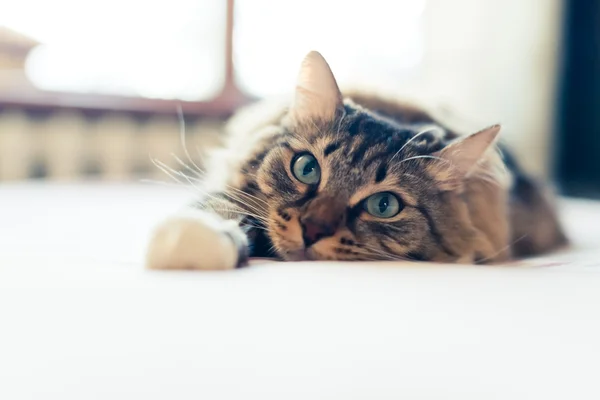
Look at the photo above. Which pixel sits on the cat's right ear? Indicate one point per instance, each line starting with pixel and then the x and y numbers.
pixel 317 94
pixel 459 158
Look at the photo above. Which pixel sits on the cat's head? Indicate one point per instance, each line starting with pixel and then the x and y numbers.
pixel 345 183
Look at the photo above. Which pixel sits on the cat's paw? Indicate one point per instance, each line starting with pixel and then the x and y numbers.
pixel 197 240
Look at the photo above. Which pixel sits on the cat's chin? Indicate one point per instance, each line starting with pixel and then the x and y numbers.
pixel 297 255
pixel 301 255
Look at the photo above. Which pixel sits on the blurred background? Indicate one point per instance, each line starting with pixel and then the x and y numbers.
pixel 89 89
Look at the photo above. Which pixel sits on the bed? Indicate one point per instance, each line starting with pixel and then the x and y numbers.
pixel 80 318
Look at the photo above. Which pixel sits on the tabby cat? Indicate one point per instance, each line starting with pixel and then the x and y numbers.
pixel 356 177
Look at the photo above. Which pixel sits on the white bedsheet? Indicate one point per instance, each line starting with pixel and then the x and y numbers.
pixel 81 319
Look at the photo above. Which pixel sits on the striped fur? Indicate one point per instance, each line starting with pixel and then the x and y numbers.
pixel 457 206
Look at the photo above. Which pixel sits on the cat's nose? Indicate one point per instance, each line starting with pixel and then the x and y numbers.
pixel 313 231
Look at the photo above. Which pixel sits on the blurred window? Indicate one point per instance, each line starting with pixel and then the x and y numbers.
pixel 177 50
pixel 166 49
pixel 379 42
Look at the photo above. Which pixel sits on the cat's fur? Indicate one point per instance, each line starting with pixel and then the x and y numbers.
pixel 460 203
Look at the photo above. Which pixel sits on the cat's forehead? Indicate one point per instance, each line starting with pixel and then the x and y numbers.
pixel 362 148
pixel 374 129
pixel 360 137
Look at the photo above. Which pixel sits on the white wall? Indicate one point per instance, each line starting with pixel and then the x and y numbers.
pixel 496 61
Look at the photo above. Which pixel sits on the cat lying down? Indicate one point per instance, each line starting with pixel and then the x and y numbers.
pixel 356 177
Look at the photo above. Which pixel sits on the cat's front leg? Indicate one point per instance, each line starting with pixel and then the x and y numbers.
pixel 197 239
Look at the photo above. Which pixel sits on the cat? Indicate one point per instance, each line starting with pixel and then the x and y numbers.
pixel 356 178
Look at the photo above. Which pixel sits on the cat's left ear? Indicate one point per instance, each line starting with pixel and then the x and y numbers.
pixel 464 153
pixel 317 93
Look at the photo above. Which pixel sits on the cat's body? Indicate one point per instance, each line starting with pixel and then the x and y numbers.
pixel 364 178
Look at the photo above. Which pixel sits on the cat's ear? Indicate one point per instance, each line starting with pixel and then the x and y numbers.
pixel 464 153
pixel 317 93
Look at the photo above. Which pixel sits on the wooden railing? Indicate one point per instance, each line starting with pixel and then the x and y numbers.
pixel 72 145
pixel 59 135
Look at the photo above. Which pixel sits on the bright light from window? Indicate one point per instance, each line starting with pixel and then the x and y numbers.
pixel 377 42
pixel 167 49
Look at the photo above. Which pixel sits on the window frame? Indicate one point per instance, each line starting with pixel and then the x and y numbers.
pixel 222 105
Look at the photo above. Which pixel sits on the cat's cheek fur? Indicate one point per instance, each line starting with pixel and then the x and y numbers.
pixel 197 240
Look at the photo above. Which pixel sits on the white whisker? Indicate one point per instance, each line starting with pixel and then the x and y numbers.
pixel 418 157
pixel 503 249
pixel 186 166
pixel 164 167
pixel 182 136
pixel 426 130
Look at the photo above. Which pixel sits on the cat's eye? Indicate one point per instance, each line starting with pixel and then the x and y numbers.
pixel 306 169
pixel 383 205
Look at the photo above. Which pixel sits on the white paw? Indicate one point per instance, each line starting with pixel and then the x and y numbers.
pixel 196 240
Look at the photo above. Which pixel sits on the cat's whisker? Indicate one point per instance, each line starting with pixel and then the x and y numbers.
pixel 168 171
pixel 238 212
pixel 257 212
pixel 422 132
pixel 241 192
pixel 424 156
pixel 241 212
pixel 186 166
pixel 372 255
pixel 253 226
pixel 340 123
pixel 273 248
pixel 391 257
pixel 248 207
pixel 416 177
pixel 248 196
pixel 232 196
pixel 190 180
pixel 252 207
pixel 166 168
pixel 182 136
pixel 502 249
pixel 174 174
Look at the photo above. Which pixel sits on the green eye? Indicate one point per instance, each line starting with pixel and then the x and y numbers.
pixel 306 169
pixel 382 205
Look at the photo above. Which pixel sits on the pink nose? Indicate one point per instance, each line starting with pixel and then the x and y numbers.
pixel 312 232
